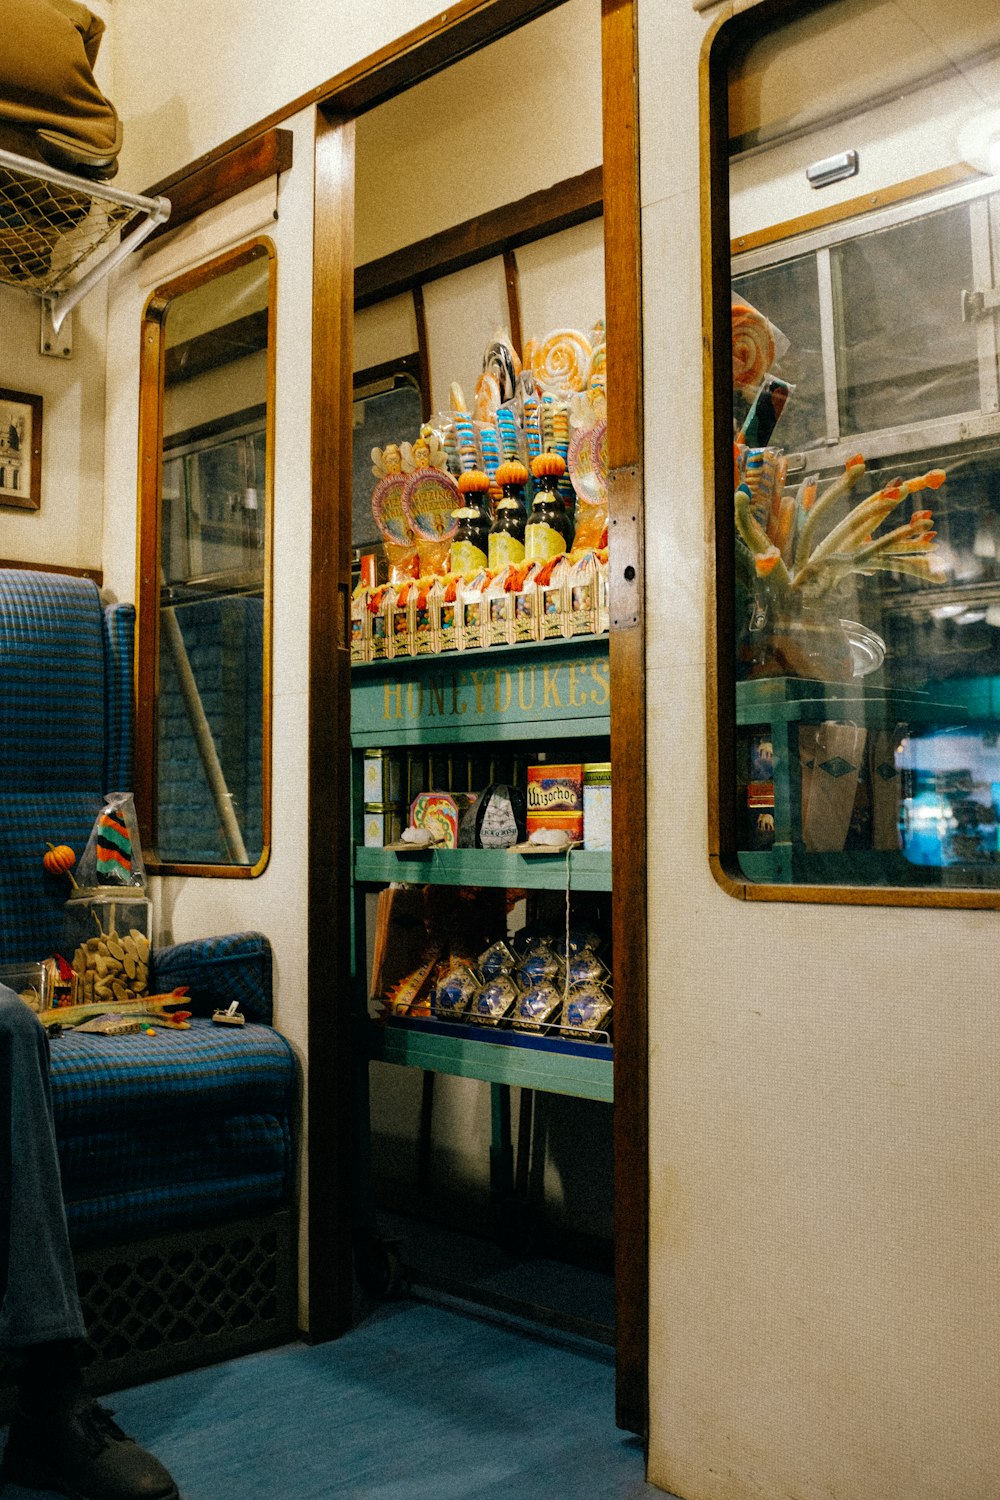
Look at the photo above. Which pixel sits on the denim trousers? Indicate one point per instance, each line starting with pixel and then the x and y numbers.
pixel 37 1279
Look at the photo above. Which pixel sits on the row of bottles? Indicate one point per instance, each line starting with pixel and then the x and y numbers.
pixel 512 536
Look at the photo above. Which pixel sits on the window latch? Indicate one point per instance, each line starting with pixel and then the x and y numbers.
pixel 977 304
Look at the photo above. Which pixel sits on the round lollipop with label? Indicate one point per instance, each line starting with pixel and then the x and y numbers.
pixel 429 500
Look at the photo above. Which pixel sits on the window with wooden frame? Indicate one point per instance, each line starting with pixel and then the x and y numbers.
pixel 204 705
pixel 856 451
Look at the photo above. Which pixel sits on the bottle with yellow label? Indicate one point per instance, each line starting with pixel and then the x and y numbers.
pixel 506 540
pixel 548 532
pixel 469 545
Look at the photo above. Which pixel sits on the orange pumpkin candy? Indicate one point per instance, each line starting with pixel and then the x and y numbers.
pixel 59 859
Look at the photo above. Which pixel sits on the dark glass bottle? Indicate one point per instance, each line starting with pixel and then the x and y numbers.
pixel 549 530
pixel 506 540
pixel 470 544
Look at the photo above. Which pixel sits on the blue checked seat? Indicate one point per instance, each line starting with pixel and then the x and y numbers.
pixel 160 1132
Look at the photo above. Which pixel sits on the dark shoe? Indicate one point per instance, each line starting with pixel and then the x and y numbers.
pixel 79 1451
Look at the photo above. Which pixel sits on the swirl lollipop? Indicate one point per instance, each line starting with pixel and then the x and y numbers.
pixel 753 346
pixel 562 363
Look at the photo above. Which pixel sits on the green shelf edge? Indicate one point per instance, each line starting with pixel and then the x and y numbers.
pixel 492 1062
pixel 589 869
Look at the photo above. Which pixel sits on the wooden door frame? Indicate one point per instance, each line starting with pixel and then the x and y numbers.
pixel 454 34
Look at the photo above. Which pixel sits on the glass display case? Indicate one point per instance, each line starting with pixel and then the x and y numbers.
pixel 865 418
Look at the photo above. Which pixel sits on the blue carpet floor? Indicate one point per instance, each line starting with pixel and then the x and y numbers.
pixel 418 1402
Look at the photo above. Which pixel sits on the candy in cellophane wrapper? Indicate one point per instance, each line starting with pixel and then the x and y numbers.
pixel 429 500
pixel 471 612
pixel 586 1014
pixel 494 1001
pixel 499 606
pixel 444 609
pixel 539 961
pixel 497 959
pixel 400 638
pixel 757 344
pixel 113 855
pixel 381 610
pixel 360 624
pixel 454 992
pixel 537 1008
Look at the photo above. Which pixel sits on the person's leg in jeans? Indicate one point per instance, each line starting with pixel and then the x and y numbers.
pixel 58 1439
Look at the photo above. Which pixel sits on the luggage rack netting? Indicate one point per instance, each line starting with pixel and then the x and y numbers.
pixel 52 223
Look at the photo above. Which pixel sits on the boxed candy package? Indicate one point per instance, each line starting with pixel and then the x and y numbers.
pixel 454 992
pixel 494 1001
pixel 537 1007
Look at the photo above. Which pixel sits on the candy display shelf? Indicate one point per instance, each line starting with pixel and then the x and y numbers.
pixel 589 870
pixel 553 1065
pixel 536 693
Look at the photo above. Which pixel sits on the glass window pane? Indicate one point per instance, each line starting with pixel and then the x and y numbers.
pixel 904 353
pixel 388 416
pixel 790 293
pixel 210 697
pixel 867 582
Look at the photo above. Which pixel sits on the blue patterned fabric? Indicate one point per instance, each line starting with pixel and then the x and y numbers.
pixel 119 639
pixel 178 1128
pixel 54 730
pixel 218 971
pixel 170 1078
pixel 51 683
pixel 150 1181
pixel 154 1132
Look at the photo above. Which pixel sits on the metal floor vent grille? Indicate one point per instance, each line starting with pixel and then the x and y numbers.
pixel 182 1300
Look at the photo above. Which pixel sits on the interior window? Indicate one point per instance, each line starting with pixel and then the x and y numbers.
pixel 865 482
pixel 206 534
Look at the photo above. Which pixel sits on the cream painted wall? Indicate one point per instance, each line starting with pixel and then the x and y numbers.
pixel 825 1090
pixel 274 903
pixel 67 529
pixel 227 64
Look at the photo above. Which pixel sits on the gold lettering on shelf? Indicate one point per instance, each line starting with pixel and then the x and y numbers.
pixel 601 671
pixel 502 676
pixel 550 690
pixel 478 678
pixel 458 705
pixel 414 713
pixel 435 696
pixel 576 701
pixel 525 707
pixel 387 712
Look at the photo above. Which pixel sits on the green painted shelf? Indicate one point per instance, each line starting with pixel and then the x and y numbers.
pixel 583 1070
pixel 589 869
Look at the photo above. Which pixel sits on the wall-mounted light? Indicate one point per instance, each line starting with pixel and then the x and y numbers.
pixel 832 169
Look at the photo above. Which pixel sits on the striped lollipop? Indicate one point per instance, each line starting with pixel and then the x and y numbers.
pixel 753 346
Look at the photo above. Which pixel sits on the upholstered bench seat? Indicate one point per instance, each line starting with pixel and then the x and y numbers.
pixel 157 1132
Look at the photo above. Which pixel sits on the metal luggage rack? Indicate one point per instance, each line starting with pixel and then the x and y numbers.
pixel 52 223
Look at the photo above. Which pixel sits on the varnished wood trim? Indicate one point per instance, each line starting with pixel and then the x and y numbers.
pixel 900 192
pixel 572 201
pixel 97 574
pixel 513 284
pixel 623 310
pixel 152 366
pixel 423 350
pixel 447 37
pixel 717 244
pixel 225 174
pixel 332 1124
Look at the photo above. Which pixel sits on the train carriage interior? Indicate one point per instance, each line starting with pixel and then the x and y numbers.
pixel 500 770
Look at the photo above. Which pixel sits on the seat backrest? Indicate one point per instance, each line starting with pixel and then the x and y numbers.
pixel 65 740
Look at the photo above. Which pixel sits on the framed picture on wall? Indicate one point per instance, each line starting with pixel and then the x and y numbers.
pixel 20 449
